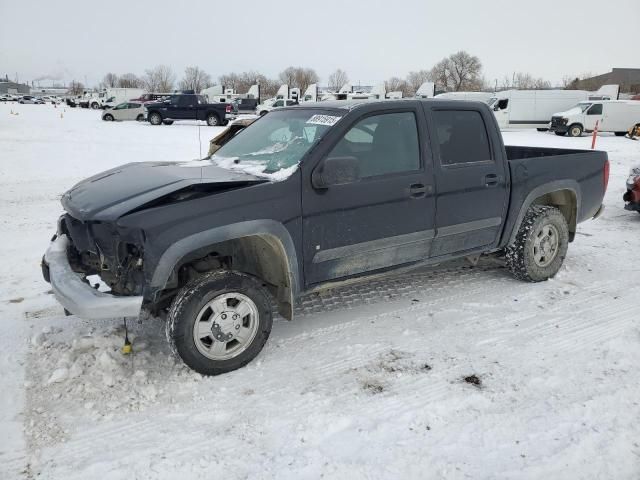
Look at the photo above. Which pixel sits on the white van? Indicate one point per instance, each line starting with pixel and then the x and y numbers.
pixel 615 116
pixel 532 108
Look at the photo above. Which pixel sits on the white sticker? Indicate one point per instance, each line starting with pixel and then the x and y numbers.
pixel 329 120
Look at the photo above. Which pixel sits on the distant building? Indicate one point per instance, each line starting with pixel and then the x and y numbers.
pixel 13 87
pixel 627 78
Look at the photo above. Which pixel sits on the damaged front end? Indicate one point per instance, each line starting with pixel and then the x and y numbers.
pixel 84 249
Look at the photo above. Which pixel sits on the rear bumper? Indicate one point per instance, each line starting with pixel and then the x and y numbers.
pixel 599 212
pixel 75 295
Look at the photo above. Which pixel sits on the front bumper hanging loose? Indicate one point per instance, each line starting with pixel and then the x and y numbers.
pixel 75 295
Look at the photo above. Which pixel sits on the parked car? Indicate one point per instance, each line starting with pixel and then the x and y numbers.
pixel 28 99
pixel 188 107
pixel 265 108
pixel 612 116
pixel 632 195
pixel 125 111
pixel 306 198
pixel 5 98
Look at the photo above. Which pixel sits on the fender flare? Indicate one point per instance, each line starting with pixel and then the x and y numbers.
pixel 176 252
pixel 541 190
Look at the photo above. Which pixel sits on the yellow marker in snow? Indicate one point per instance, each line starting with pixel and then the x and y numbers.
pixel 126 349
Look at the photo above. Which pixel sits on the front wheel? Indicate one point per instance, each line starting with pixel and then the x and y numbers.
pixel 213 120
pixel 140 118
pixel 560 134
pixel 620 134
pixel 155 119
pixel 219 322
pixel 95 105
pixel 108 118
pixel 540 245
pixel 575 130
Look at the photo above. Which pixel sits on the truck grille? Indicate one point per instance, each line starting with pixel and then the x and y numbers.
pixel 557 122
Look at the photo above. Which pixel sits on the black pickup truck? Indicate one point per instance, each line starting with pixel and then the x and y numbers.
pixel 189 107
pixel 307 197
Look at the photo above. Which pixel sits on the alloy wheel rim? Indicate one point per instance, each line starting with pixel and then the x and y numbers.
pixel 545 245
pixel 226 326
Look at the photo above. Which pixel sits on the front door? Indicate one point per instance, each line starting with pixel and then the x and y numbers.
pixel 471 179
pixel 592 115
pixel 384 219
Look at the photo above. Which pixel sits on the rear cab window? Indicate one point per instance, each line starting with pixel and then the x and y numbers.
pixel 462 137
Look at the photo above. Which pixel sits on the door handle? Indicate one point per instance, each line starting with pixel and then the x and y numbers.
pixel 491 180
pixel 418 190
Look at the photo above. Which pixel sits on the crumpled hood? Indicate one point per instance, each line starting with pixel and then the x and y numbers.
pixel 111 194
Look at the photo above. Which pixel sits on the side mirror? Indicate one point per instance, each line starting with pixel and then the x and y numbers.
pixel 496 108
pixel 336 171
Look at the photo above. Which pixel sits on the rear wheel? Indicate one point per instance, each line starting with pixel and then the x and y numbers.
pixel 95 105
pixel 140 118
pixel 542 129
pixel 540 245
pixel 219 322
pixel 213 120
pixel 108 118
pixel 620 134
pixel 575 130
pixel 155 119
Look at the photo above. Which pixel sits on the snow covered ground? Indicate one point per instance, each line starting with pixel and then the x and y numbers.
pixel 368 381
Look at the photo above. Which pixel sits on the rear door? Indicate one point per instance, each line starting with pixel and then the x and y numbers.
pixel 386 217
pixel 470 177
pixel 187 107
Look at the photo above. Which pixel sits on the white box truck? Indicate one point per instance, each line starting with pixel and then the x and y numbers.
pixel 616 116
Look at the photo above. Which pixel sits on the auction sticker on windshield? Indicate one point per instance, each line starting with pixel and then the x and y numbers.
pixel 329 120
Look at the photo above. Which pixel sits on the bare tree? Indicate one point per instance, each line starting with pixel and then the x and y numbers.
pixel 305 77
pixel 337 79
pixel 110 80
pixel 416 79
pixel 129 80
pixel 76 88
pixel 195 79
pixel 440 74
pixel 159 79
pixel 230 80
pixel 395 84
pixel 288 76
pixel 465 71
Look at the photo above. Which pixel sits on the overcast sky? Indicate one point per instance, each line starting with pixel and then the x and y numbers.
pixel 372 40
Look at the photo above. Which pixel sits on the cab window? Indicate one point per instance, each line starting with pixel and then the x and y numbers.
pixel 596 109
pixel 383 144
pixel 462 137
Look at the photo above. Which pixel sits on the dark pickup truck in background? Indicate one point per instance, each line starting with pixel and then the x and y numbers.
pixel 189 107
pixel 307 197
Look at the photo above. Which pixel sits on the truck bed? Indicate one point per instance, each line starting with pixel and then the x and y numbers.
pixel 533 169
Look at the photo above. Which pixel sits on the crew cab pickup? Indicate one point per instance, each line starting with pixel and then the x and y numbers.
pixel 189 107
pixel 307 197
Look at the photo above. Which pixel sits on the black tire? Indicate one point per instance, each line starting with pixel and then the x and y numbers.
pixel 575 130
pixel 225 123
pixel 542 129
pixel 95 105
pixel 140 118
pixel 108 118
pixel 155 118
pixel 167 122
pixel 620 134
pixel 213 120
pixel 520 255
pixel 189 302
pixel 560 134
